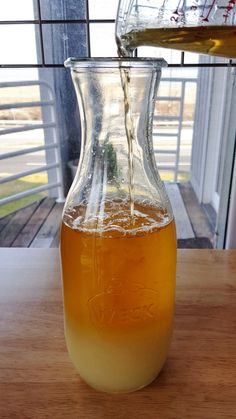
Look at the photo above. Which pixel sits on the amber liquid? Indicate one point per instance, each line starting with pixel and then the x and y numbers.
pixel 119 287
pixel 213 40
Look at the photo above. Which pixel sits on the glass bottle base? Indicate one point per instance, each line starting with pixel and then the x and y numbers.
pixel 121 391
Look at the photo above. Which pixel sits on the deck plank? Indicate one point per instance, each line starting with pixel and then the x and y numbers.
pixel 183 224
pixel 28 233
pixel 49 229
pixel 200 224
pixel 4 221
pixel 17 222
pixel 197 243
pixel 56 240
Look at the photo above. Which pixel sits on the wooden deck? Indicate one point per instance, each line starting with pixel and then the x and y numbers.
pixel 194 231
pixel 37 225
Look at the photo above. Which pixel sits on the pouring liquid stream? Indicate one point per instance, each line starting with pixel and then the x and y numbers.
pixel 129 124
pixel 129 129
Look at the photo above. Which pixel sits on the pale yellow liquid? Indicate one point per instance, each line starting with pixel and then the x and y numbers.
pixel 213 40
pixel 119 287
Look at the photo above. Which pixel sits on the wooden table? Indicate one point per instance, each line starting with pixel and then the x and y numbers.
pixel 37 379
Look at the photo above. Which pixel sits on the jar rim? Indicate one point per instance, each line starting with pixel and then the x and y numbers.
pixel 114 62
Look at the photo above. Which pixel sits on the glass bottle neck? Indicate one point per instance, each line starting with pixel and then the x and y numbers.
pixel 117 160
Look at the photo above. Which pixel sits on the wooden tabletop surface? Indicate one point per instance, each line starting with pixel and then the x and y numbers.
pixel 37 379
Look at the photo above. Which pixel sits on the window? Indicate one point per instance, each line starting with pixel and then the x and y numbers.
pixel 40 34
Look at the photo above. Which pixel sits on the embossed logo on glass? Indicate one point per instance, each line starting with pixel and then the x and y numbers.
pixel 123 306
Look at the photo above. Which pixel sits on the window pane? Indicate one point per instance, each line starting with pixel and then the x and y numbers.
pixel 103 9
pixel 20 44
pixel 18 10
pixel 191 58
pixel 170 55
pixel 182 72
pixel 62 9
pixel 19 74
pixel 102 36
pixel 64 40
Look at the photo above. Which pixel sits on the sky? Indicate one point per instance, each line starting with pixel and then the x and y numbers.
pixel 19 46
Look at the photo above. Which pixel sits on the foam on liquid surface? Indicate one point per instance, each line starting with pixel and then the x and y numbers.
pixel 114 218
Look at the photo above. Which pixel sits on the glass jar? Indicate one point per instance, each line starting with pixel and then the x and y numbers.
pixel 202 26
pixel 118 240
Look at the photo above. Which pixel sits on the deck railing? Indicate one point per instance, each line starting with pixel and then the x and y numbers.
pixel 53 162
pixel 176 121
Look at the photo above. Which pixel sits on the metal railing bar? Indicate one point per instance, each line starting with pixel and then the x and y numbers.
pixel 27 128
pixel 181 114
pixel 169 98
pixel 160 151
pixel 28 83
pixel 26 104
pixel 182 164
pixel 23 194
pixel 27 150
pixel 25 83
pixel 29 172
pixel 179 79
pixel 165 134
pixel 165 118
pixel 165 167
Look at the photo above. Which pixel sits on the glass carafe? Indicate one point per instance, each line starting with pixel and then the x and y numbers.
pixel 202 26
pixel 118 242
